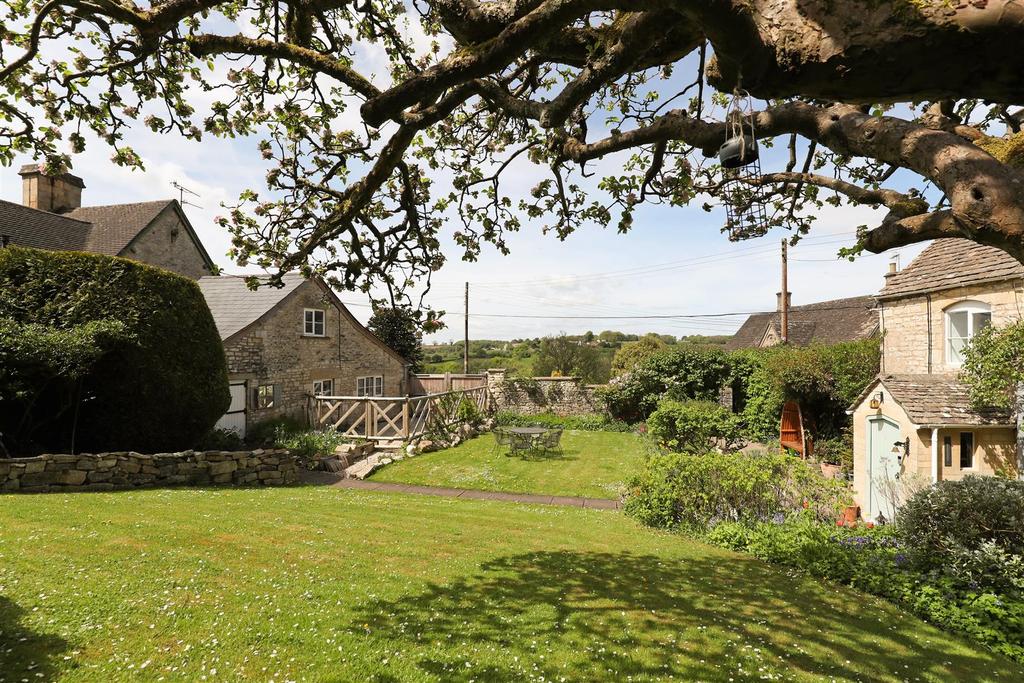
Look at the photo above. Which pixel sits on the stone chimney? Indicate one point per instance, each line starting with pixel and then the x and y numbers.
pixel 789 300
pixel 56 194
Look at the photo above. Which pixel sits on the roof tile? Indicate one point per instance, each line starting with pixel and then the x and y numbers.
pixel 938 400
pixel 952 262
pixel 234 306
pixel 824 322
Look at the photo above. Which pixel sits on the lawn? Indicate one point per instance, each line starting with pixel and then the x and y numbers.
pixel 321 584
pixel 592 464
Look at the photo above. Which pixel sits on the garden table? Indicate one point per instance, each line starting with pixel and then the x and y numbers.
pixel 524 438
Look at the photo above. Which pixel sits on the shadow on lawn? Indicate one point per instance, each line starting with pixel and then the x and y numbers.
pixel 24 654
pixel 606 616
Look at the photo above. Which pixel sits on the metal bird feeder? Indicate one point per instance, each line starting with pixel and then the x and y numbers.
pixel 741 173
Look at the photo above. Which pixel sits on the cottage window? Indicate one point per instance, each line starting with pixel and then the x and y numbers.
pixel 263 396
pixel 963 321
pixel 966 450
pixel 323 387
pixel 947 451
pixel 313 322
pixel 370 386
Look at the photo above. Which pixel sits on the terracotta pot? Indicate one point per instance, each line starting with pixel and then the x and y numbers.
pixel 851 514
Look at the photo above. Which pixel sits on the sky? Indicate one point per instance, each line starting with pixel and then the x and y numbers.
pixel 674 261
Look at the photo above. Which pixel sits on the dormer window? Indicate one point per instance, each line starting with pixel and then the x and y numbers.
pixel 963 321
pixel 313 322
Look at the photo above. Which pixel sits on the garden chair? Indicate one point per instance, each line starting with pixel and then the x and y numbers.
pixel 551 441
pixel 502 439
pixel 520 443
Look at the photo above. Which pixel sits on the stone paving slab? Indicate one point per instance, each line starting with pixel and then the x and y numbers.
pixel 330 479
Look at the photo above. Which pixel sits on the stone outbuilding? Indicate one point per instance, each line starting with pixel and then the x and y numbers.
pixel 914 425
pixel 286 344
pixel 51 216
pixel 823 322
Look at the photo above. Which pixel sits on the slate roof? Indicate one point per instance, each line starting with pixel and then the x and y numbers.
pixel 115 226
pixel 825 322
pixel 952 262
pixel 234 306
pixel 41 229
pixel 937 400
pixel 98 229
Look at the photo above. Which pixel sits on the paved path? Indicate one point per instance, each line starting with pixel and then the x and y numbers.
pixel 337 481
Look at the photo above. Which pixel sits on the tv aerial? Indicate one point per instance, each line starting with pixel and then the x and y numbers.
pixel 182 190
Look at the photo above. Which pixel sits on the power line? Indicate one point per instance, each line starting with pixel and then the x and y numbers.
pixel 667 316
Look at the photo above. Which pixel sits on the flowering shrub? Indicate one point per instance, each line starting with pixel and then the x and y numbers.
pixel 679 490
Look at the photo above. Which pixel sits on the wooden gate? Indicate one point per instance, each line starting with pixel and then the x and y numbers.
pixel 382 418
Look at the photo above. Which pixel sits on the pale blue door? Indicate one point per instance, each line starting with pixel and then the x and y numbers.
pixel 883 467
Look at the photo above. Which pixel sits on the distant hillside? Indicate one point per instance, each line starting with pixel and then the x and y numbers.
pixel 520 355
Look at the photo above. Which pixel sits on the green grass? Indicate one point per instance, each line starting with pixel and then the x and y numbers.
pixel 321 584
pixel 592 464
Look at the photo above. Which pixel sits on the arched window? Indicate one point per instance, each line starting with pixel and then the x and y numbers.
pixel 963 321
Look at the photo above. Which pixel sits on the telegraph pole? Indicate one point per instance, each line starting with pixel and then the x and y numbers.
pixel 465 349
pixel 784 306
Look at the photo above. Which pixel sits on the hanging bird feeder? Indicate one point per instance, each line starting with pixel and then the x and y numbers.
pixel 741 173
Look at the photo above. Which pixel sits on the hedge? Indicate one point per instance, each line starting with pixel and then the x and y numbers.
pixel 146 372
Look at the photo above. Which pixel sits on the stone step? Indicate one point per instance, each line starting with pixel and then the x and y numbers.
pixel 368 465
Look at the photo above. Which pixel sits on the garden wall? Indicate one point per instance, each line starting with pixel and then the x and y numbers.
pixel 531 395
pixel 109 471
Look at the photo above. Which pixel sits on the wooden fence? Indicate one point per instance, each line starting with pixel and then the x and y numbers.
pixel 424 385
pixel 391 418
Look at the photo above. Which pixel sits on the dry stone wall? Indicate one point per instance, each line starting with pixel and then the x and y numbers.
pixel 126 470
pixel 532 395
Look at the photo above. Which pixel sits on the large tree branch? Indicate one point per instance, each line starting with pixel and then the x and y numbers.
pixel 208 44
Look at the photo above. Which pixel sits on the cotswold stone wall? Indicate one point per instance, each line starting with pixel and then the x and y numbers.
pixel 531 395
pixel 109 471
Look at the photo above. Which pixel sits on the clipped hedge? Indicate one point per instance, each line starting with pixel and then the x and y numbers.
pixel 150 371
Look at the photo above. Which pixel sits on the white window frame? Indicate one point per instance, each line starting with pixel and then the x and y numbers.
pixel 310 322
pixel 323 387
pixel 371 385
pixel 971 308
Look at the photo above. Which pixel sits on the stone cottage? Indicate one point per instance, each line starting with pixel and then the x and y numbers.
pixel 824 322
pixel 914 424
pixel 51 216
pixel 286 344
pixel 282 344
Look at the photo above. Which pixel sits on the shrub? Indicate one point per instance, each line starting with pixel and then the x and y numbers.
pixel 309 443
pixel 679 373
pixel 221 440
pixel 630 354
pixel 950 520
pixel 680 490
pixel 266 433
pixel 586 423
pixel 146 365
pixel 824 379
pixel 694 426
pixel 837 450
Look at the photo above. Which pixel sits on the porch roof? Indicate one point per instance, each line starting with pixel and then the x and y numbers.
pixel 937 400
